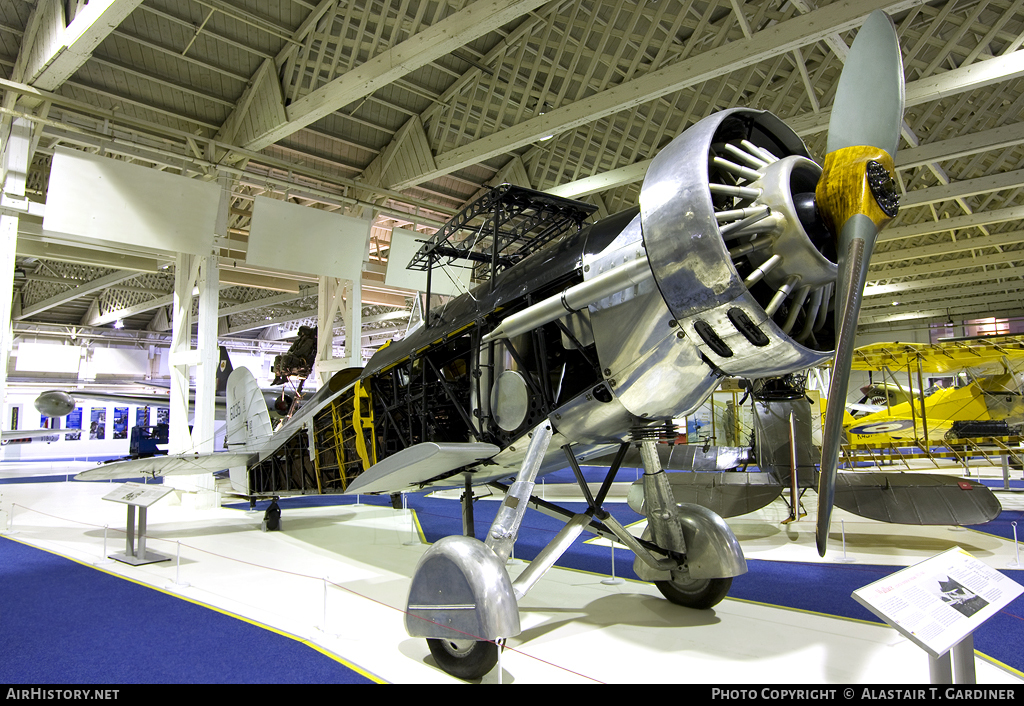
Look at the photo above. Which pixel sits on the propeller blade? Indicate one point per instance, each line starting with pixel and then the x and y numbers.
pixel 868 108
pixel 856 197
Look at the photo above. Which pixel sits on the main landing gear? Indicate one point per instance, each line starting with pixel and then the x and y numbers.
pixel 465 659
pixel 694 593
pixel 463 602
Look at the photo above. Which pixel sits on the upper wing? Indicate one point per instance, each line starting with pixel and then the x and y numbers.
pixel 177 465
pixel 983 356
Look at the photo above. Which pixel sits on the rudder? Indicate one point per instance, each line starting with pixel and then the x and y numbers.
pixel 248 418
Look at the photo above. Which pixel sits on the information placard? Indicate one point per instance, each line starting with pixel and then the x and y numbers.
pixel 138 494
pixel 941 600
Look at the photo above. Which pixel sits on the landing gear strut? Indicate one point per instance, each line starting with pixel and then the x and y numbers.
pixel 460 588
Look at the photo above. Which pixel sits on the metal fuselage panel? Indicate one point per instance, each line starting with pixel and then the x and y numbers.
pixel 653 373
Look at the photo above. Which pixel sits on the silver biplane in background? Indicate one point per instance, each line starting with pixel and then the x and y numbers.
pixel 585 341
pixel 60 403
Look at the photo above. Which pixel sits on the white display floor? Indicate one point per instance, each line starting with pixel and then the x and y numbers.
pixel 576 629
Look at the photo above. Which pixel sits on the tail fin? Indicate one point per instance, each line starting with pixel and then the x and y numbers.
pixel 248 418
pixel 223 371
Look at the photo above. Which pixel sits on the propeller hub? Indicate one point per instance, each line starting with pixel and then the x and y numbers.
pixel 809 257
pixel 849 185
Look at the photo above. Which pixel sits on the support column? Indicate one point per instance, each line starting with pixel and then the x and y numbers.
pixel 345 297
pixel 209 355
pixel 14 164
pixel 186 272
pixel 196 275
pixel 353 315
pixel 328 300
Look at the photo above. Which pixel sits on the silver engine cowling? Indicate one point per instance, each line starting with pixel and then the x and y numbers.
pixel 729 226
pixel 55 403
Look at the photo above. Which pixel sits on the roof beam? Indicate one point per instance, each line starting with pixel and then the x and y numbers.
pixel 879 304
pixel 963 79
pixel 58 51
pixel 80 291
pixel 951 282
pixel 964 309
pixel 937 266
pixel 963 189
pixel 948 248
pixel 996 138
pixel 602 182
pixel 287 297
pixel 955 223
pixel 777 39
pixel 932 88
pixel 454 31
pixel 94 317
pixel 998 264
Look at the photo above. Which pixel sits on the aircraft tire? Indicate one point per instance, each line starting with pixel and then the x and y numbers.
pixel 695 593
pixel 465 659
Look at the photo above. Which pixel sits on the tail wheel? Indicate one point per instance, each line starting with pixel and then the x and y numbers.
pixel 465 659
pixel 695 593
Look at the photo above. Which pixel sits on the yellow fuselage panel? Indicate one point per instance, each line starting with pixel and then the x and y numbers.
pixel 900 424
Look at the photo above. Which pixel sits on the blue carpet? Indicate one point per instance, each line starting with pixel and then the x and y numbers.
pixel 66 623
pixel 819 588
pixel 1002 526
pixel 41 609
pixel 997 484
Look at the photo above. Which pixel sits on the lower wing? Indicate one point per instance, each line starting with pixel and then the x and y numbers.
pixel 157 466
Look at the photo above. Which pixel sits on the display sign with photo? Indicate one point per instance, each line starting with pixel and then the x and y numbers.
pixel 74 421
pixel 940 601
pixel 98 423
pixel 120 422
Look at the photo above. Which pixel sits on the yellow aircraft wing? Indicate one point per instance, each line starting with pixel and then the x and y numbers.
pixel 983 356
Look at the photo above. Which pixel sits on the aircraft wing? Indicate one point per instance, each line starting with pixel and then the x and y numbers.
pixel 6 436
pixel 866 408
pixel 410 468
pixel 900 422
pixel 156 398
pixel 176 465
pixel 728 493
pixel 685 457
pixel 715 480
pixel 916 498
pixel 983 356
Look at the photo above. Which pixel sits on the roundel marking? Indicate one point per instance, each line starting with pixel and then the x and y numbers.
pixel 883 427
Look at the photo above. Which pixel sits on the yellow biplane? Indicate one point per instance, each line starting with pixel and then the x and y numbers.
pixel 985 400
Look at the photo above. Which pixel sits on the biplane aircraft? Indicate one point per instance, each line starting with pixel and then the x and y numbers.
pixel 583 341
pixel 988 402
pixel 786 458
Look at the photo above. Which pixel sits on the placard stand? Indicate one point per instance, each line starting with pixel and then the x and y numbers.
pixel 141 496
pixel 961 671
pixel 938 604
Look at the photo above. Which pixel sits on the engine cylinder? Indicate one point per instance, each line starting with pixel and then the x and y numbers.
pixel 723 222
